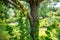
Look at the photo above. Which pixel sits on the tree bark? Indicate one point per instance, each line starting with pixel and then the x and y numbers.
pixel 34 14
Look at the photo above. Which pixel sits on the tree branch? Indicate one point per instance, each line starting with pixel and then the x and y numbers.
pixel 19 6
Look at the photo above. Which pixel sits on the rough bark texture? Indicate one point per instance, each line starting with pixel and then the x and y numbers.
pixel 34 14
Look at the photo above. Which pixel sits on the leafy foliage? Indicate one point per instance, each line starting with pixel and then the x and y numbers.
pixel 14 25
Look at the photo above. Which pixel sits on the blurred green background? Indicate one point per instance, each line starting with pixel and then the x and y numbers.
pixel 14 25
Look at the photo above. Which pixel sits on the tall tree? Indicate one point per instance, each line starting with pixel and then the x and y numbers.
pixel 33 16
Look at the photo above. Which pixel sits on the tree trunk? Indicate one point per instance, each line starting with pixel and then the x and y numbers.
pixel 34 14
